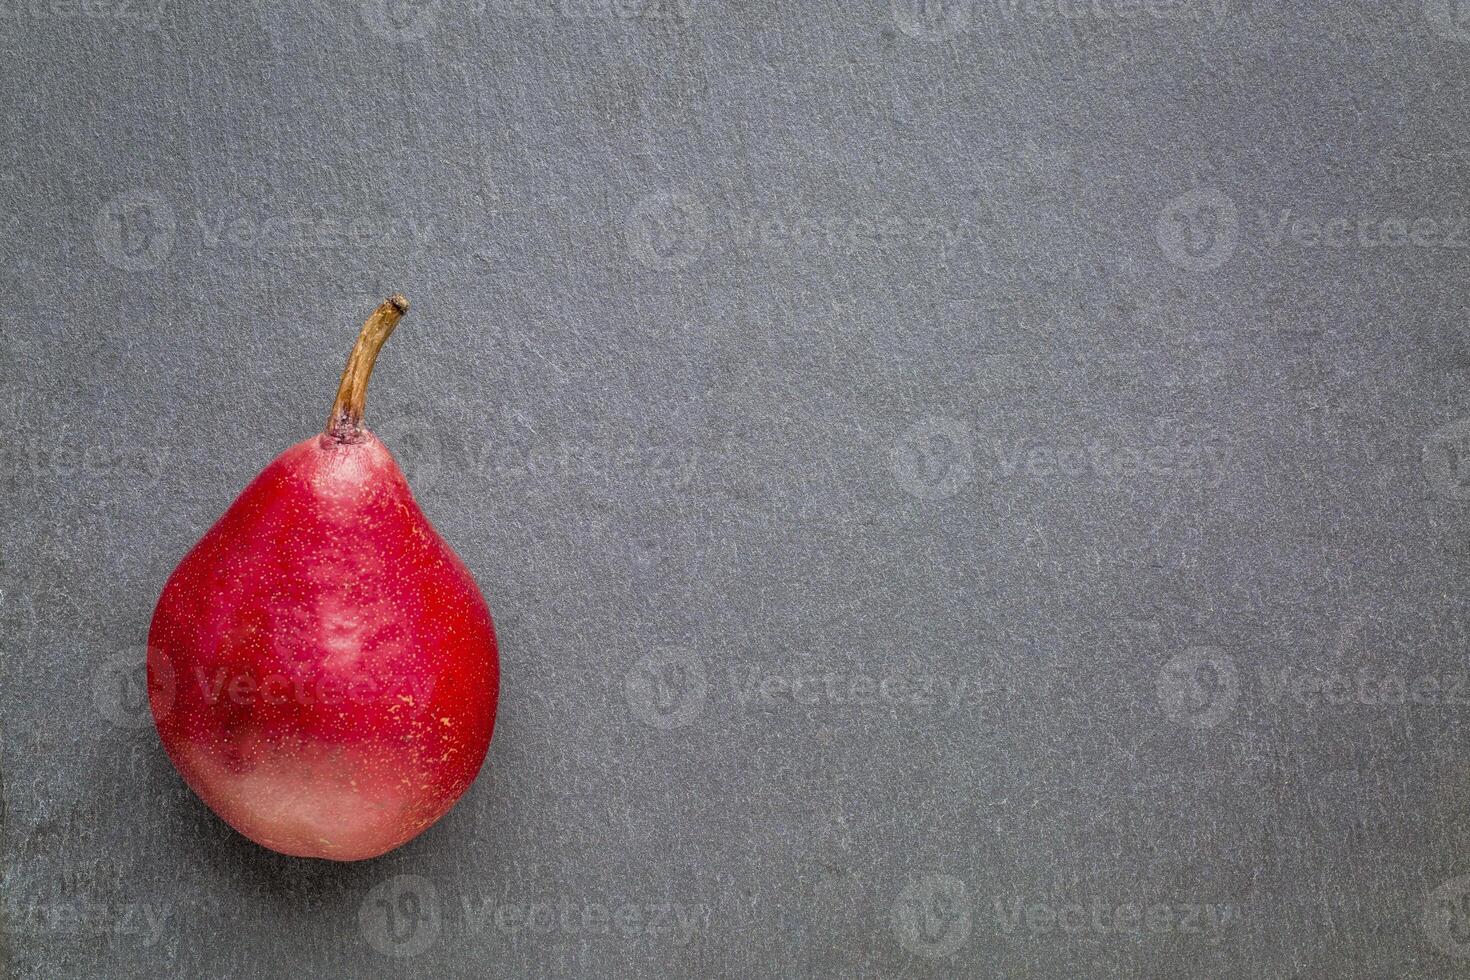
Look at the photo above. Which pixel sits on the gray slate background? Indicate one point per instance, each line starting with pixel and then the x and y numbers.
pixel 963 491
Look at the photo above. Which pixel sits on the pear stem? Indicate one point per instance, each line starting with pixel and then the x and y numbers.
pixel 345 422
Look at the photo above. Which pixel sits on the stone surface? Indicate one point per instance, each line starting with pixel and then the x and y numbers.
pixel 964 489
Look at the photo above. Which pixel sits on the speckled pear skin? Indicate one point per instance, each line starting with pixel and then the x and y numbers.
pixel 322 667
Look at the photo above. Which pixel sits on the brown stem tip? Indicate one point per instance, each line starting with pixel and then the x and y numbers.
pixel 345 422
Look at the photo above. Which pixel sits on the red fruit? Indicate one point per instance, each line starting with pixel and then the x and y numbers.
pixel 322 667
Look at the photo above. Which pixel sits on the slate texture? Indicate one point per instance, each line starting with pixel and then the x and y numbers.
pixel 965 489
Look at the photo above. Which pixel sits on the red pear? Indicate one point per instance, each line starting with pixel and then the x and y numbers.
pixel 322 667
